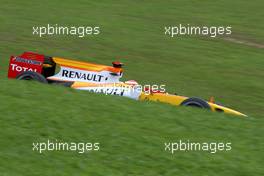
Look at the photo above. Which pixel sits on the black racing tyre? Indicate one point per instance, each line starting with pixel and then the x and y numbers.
pixel 29 75
pixel 195 102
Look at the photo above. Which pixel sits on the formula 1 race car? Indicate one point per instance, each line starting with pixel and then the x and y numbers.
pixel 96 78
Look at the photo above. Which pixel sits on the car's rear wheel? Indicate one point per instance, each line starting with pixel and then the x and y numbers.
pixel 195 102
pixel 29 75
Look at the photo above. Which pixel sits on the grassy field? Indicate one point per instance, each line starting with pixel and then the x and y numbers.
pixel 131 133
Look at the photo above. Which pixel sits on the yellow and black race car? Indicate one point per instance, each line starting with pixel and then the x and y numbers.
pixel 97 78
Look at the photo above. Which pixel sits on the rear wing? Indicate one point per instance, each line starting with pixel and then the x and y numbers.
pixel 28 61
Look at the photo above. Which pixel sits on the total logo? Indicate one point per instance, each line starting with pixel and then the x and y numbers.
pixel 17 68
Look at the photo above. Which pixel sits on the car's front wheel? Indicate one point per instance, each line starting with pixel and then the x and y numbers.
pixel 195 102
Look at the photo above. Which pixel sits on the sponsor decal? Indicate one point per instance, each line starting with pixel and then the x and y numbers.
pixel 82 76
pixel 108 91
pixel 17 68
pixel 73 74
pixel 123 91
pixel 27 61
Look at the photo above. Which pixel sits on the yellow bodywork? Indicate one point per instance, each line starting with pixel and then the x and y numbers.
pixel 177 100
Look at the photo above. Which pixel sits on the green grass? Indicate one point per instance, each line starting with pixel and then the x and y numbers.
pixel 131 133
